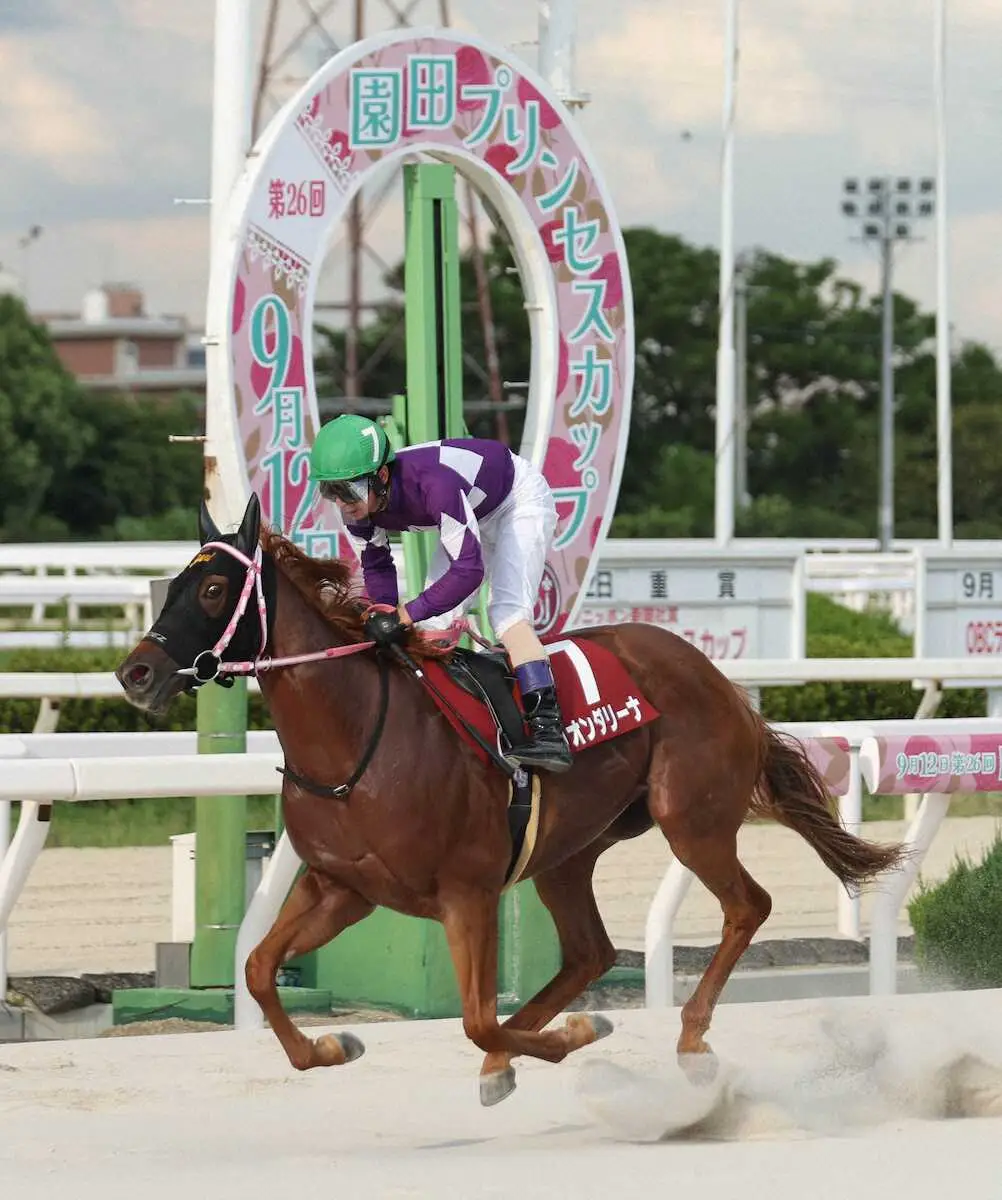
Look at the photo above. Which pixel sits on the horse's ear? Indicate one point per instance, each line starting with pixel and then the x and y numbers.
pixel 250 526
pixel 207 531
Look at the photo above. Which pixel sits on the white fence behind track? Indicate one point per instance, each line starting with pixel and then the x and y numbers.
pixel 849 570
pixel 40 769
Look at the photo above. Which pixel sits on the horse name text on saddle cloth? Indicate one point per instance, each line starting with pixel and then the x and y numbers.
pixel 598 697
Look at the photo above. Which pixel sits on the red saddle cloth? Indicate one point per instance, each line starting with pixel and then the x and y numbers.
pixel 598 697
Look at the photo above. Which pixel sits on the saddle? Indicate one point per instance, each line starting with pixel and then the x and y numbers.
pixel 487 676
pixel 598 700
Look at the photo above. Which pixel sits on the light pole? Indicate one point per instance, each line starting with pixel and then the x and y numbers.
pixel 724 481
pixel 884 214
pixel 742 497
pixel 24 245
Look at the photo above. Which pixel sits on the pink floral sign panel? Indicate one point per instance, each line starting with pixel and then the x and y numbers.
pixel 471 103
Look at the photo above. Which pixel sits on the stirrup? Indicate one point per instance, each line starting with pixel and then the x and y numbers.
pixel 525 756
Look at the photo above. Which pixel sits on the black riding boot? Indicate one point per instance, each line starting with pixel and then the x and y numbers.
pixel 548 749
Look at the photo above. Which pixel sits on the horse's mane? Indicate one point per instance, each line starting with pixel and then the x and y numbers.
pixel 326 584
pixel 328 587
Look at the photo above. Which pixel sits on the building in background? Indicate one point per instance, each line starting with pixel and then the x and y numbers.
pixel 113 345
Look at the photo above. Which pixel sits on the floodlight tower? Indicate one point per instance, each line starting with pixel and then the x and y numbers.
pixel 884 214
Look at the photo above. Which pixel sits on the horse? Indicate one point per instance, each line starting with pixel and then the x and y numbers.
pixel 423 827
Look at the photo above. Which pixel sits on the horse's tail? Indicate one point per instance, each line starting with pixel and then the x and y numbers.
pixel 792 791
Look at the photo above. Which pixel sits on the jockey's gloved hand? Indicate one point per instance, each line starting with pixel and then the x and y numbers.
pixel 385 629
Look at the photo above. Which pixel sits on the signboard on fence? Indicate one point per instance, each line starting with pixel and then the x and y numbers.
pixel 729 603
pixel 958 604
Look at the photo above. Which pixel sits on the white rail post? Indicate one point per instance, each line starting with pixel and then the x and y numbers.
pixel 851 808
pixel 265 905
pixel 892 890
pixel 15 867
pixel 659 964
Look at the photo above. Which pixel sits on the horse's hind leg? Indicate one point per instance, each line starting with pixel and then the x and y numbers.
pixel 586 954
pixel 317 910
pixel 746 905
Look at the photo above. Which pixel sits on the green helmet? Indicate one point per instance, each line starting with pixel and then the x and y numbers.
pixel 349 447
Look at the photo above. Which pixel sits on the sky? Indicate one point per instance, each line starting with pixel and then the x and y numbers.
pixel 105 121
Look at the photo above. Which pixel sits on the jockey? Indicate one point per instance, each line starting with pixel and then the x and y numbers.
pixel 495 517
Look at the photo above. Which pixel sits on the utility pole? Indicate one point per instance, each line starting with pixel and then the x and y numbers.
pixel 742 498
pixel 885 217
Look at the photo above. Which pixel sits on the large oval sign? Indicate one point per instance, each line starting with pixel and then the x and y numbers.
pixel 463 101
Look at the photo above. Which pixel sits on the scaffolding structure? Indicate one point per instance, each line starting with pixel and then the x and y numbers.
pixel 294 38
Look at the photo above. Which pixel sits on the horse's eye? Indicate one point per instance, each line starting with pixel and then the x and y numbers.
pixel 214 591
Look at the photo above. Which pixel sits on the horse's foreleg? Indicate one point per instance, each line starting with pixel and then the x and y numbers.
pixel 317 910
pixel 585 948
pixel 471 927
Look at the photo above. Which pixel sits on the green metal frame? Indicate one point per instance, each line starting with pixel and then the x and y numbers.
pixel 389 959
pixel 220 841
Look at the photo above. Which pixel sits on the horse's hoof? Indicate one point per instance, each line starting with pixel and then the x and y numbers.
pixel 496 1086
pixel 700 1069
pixel 352 1046
pixel 602 1026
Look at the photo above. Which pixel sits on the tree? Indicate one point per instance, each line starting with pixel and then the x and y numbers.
pixel 133 471
pixel 41 436
pixel 813 372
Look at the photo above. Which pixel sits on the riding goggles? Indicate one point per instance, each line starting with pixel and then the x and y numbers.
pixel 348 491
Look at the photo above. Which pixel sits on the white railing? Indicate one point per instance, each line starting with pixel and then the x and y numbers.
pixel 41 574
pixel 130 593
pixel 69 557
pixel 40 769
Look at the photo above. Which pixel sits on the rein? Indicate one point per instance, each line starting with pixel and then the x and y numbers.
pixel 208 665
pixel 214 665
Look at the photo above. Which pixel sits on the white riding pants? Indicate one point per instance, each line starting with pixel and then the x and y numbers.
pixel 514 539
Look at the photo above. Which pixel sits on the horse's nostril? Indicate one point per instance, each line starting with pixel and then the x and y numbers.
pixel 139 676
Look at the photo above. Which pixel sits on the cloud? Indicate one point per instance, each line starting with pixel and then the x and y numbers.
pixel 671 60
pixel 105 118
pixel 19 15
pixel 188 20
pixel 44 119
pixel 976 253
pixel 166 256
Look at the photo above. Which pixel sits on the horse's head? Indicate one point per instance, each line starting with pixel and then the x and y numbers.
pixel 182 649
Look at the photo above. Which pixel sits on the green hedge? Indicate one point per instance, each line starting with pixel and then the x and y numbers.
pixel 836 632
pixel 958 934
pixel 97 716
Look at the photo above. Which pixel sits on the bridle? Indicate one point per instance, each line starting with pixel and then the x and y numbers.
pixel 208 664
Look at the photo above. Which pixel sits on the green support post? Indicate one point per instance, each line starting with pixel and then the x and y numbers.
pixel 433 406
pixel 434 328
pixel 389 959
pixel 220 841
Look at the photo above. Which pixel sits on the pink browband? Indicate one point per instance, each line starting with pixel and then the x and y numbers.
pixel 253 582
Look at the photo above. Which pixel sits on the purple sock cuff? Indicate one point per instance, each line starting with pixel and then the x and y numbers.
pixel 534 676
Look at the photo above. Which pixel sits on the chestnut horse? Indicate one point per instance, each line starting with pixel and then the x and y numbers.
pixel 424 830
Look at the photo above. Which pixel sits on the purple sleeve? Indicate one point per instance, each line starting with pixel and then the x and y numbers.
pixel 378 568
pixel 460 536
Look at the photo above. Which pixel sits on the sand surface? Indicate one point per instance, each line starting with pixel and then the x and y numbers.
pixel 104 910
pixel 850 1098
